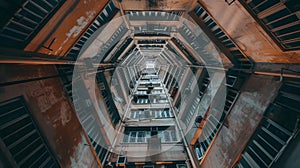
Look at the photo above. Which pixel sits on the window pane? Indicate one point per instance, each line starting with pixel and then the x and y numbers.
pixel 132 136
pixel 141 137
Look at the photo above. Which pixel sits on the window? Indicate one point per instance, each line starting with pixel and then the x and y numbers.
pixel 141 134
pixel 21 136
pixel 141 92
pixel 142 101
pixel 84 109
pixel 183 49
pixel 267 142
pixel 192 110
pixel 167 136
pixel 141 137
pixel 230 80
pixel 280 19
pixel 66 75
pixel 142 115
pixel 150 114
pixel 173 135
pixel 26 21
pixel 134 114
pixel 149 15
pixel 199 152
pixel 121 161
pixel 113 41
pixel 135 137
pixel 97 141
pixel 106 15
pixel 107 96
pixel 218 35
pixel 157 92
pixel 275 130
pixel 132 136
pixel 126 137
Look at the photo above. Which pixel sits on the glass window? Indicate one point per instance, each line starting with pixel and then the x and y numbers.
pixel 277 22
pixel 28 144
pixel 126 137
pixel 132 136
pixel 132 114
pixel 141 137
pixel 173 135
pixel 167 136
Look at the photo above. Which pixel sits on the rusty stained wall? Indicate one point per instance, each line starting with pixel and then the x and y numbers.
pixel 52 110
pixel 66 26
pixel 255 96
pixel 247 33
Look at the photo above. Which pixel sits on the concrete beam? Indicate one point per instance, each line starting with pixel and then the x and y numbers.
pixel 275 67
pixel 278 69
pixel 10 56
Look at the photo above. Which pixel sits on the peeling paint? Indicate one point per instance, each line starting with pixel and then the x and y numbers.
pixel 82 155
pixel 44 95
pixel 65 113
pixel 82 22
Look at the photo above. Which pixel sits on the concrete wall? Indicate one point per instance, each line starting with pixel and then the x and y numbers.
pixel 255 96
pixel 51 109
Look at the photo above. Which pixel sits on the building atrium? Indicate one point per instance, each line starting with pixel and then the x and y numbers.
pixel 150 83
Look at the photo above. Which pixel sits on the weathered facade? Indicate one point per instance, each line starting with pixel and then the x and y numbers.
pixel 157 83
